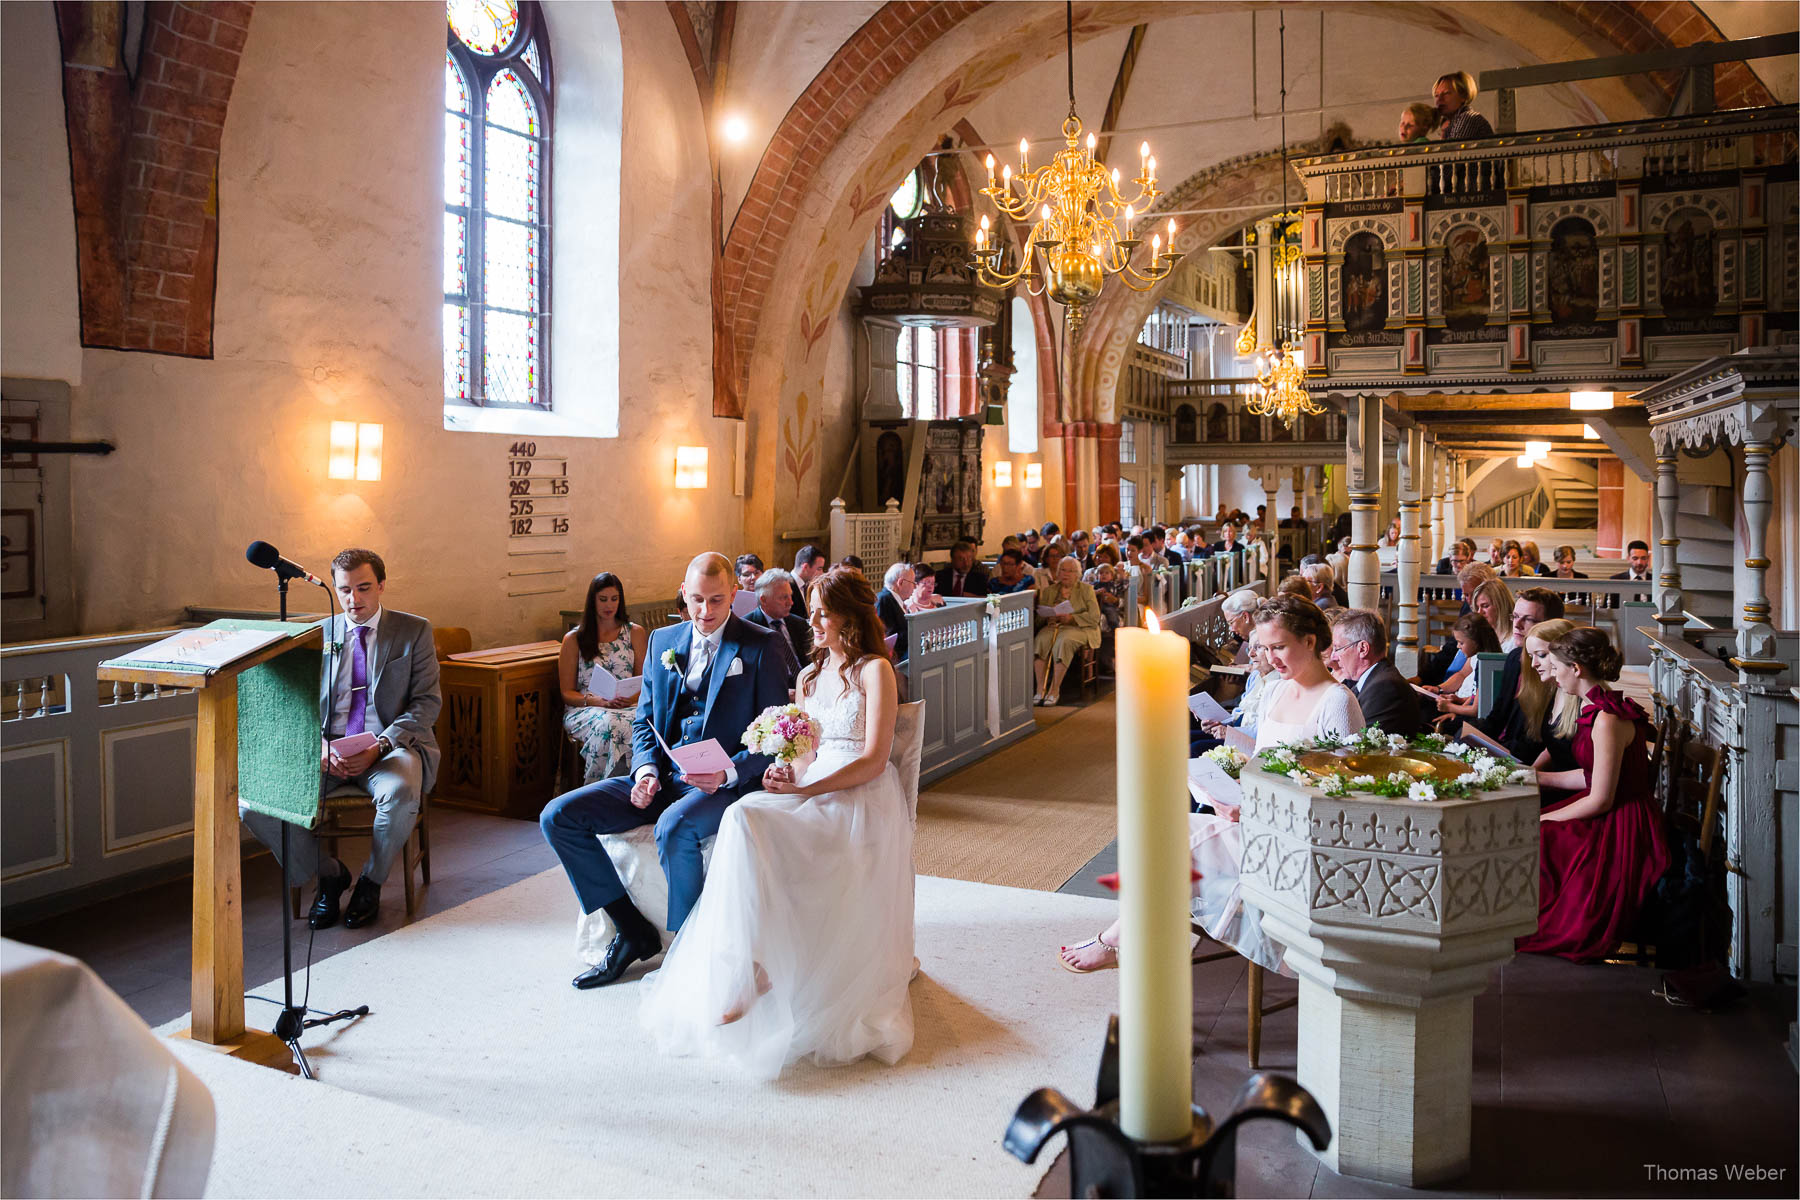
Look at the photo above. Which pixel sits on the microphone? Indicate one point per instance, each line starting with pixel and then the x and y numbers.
pixel 262 554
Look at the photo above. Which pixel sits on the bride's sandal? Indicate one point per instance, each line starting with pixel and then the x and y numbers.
pixel 762 989
pixel 1107 964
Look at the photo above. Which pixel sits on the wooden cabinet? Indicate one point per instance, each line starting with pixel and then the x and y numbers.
pixel 500 730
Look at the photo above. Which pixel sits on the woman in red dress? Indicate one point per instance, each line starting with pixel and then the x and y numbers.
pixel 1603 848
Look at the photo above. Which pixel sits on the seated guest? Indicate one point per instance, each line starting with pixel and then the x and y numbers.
pixel 852 563
pixel 1531 562
pixel 1296 586
pixel 1322 580
pixel 1033 546
pixel 1496 554
pixel 1060 637
pixel 1107 579
pixel 1452 95
pixel 1417 122
pixel 964 576
pixel 924 595
pixel 1011 575
pixel 1542 705
pixel 890 604
pixel 775 610
pixel 1565 564
pixel 1639 555
pixel 1339 562
pixel 1228 540
pixel 809 564
pixel 1081 546
pixel 1512 559
pixel 1245 713
pixel 1050 531
pixel 1604 848
pixel 1472 635
pixel 1293 520
pixel 1239 610
pixel 385 682
pixel 749 569
pixel 1448 660
pixel 605 640
pixel 1530 606
pixel 1359 653
pixel 1054 553
pixel 1462 553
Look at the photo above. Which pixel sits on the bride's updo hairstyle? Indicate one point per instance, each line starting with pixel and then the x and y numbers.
pixel 1591 650
pixel 847 595
pixel 1300 617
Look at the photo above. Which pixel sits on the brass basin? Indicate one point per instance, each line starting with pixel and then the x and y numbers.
pixel 1420 764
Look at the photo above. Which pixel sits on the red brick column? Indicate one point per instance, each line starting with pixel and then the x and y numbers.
pixel 144 160
pixel 1108 434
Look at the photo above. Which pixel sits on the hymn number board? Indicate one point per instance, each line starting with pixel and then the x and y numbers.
pixel 538 512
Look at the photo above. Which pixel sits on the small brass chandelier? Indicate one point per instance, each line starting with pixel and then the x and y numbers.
pixel 1078 207
pixel 1280 388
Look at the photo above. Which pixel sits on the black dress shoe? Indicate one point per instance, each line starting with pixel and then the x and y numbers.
pixel 619 956
pixel 364 906
pixel 324 912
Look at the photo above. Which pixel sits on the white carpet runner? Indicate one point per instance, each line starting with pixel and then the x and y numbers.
pixel 481 1072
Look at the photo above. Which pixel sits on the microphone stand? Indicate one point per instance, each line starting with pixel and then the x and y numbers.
pixel 293 1020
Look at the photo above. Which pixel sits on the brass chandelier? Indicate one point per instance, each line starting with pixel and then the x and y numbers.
pixel 1078 209
pixel 1280 374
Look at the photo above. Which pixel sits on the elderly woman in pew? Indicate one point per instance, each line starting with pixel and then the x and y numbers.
pixel 1604 847
pixel 605 641
pixel 1061 635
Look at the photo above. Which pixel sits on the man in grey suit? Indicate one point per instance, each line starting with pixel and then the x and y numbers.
pixel 385 683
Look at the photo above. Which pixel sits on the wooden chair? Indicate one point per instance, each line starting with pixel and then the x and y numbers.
pixel 1257 1010
pixel 349 811
pixel 1084 671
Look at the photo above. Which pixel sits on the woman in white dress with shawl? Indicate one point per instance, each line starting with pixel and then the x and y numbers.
pixel 1305 702
pixel 802 943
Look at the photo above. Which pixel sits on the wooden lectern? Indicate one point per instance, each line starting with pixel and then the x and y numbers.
pixel 218 970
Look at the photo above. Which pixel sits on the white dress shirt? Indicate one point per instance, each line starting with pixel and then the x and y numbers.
pixel 340 707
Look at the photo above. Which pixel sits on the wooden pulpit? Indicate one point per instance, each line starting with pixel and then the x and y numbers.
pixel 218 951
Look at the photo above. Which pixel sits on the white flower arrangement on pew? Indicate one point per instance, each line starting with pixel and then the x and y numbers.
pixel 1486 773
pixel 1230 760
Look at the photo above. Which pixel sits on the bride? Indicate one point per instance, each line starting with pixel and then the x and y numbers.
pixel 802 942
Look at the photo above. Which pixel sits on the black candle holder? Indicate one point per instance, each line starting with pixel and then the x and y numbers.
pixel 1105 1161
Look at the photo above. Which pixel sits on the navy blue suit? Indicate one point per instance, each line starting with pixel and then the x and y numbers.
pixel 684 816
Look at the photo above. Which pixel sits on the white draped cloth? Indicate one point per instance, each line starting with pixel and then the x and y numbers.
pixel 1216 841
pixel 816 891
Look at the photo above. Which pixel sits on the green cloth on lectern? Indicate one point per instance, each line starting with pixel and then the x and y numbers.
pixel 278 731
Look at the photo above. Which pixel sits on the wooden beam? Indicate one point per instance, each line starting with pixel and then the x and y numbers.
pixel 1674 59
pixel 1481 429
pixel 1115 103
pixel 1533 402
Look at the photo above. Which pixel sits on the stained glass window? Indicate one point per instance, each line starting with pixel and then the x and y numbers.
pixel 496 146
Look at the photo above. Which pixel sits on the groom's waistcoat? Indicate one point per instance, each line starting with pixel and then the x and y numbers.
pixel 690 712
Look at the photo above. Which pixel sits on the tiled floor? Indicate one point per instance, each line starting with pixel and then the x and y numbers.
pixel 1585 1084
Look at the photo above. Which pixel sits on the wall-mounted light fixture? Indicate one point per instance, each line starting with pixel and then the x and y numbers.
pixel 690 466
pixel 1034 475
pixel 355 451
pixel 1590 401
pixel 1003 474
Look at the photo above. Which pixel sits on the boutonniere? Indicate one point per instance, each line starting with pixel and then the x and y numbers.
pixel 669 660
pixel 333 647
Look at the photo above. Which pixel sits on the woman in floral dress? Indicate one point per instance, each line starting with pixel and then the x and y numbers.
pixel 607 641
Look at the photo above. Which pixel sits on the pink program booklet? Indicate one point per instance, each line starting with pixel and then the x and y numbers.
pixel 698 758
pixel 355 743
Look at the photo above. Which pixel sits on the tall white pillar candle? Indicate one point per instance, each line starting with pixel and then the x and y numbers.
pixel 1156 987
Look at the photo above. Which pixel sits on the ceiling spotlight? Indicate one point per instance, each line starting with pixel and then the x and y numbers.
pixel 1537 450
pixel 1524 461
pixel 1590 401
pixel 737 130
pixel 1590 433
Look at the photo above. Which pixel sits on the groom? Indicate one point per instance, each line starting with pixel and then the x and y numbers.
pixel 708 677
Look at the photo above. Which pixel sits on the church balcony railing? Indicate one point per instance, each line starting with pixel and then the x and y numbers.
pixel 1208 414
pixel 1592 257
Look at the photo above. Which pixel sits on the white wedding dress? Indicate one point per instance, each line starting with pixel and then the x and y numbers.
pixel 1217 842
pixel 818 891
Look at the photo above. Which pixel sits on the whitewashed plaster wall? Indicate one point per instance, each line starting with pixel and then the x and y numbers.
pixel 328 307
pixel 39 306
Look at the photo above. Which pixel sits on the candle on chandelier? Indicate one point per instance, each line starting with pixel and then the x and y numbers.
pixel 1130 216
pixel 990 167
pixel 1024 149
pixel 1092 142
pixel 1115 179
pixel 1006 177
pixel 1155 245
pixel 1171 235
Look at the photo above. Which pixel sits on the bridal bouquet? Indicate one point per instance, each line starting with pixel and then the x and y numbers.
pixel 783 732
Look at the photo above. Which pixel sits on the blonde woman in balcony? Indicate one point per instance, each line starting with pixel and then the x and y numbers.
pixel 1061 636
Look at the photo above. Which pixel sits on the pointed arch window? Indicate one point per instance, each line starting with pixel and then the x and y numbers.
pixel 497 115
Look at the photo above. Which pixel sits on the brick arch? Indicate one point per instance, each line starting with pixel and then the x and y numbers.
pixel 873 58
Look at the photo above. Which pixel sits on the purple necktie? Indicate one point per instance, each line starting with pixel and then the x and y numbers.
pixel 359 681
